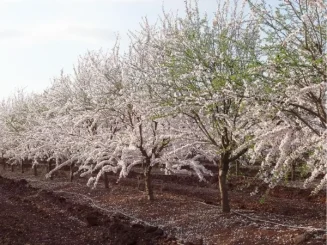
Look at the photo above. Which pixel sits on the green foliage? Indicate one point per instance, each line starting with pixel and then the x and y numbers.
pixel 304 170
pixel 218 83
pixel 262 199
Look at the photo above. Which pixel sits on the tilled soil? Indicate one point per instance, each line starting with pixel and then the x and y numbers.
pixel 184 208
pixel 33 216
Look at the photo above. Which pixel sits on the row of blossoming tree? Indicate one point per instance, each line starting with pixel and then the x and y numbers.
pixel 248 85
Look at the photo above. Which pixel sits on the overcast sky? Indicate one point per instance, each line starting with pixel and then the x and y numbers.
pixel 38 38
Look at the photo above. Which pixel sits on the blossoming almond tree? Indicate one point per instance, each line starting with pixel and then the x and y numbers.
pixel 293 85
pixel 108 123
pixel 201 72
pixel 90 124
pixel 20 114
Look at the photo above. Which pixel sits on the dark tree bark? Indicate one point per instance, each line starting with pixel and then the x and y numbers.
pixel 293 172
pixel 148 184
pixel 237 168
pixel 223 170
pixel 22 165
pixel 71 176
pixel 3 160
pixel 35 170
pixel 12 168
pixel 139 182
pixel 106 180
pixel 50 168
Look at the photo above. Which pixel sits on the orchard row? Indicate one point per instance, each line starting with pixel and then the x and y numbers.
pixel 248 86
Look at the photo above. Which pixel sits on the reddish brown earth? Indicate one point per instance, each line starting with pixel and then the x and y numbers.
pixel 39 211
pixel 34 216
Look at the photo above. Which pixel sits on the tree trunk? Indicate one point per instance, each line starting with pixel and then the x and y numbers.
pixel 237 168
pixel 35 170
pixel 106 180
pixel 22 166
pixel 71 172
pixel 49 166
pixel 293 172
pixel 12 168
pixel 139 178
pixel 148 185
pixel 3 162
pixel 223 170
pixel 49 169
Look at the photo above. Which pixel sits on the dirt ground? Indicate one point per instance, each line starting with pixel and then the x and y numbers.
pixel 36 211
pixel 35 216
